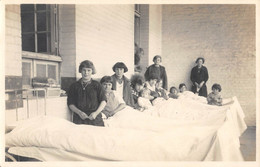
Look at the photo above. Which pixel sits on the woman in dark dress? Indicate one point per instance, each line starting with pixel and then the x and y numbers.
pixel 86 97
pixel 199 77
pixel 158 70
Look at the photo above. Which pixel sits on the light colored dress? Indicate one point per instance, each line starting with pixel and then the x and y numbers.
pixel 214 99
pixel 113 101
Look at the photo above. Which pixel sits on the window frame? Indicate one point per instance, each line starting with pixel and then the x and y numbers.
pixel 52 58
pixel 137 15
pixel 52 36
pixel 31 71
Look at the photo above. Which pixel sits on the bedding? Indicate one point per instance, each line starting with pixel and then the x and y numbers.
pixel 135 136
pixel 189 144
pixel 179 113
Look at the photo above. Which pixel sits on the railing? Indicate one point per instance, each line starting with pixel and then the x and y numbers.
pixel 36 90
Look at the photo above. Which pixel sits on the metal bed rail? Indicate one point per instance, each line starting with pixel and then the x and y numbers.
pixel 36 90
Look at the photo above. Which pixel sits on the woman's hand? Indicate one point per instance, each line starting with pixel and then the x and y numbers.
pixel 201 84
pixel 83 115
pixel 93 116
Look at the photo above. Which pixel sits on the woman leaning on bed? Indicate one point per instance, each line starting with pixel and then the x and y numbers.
pixel 86 97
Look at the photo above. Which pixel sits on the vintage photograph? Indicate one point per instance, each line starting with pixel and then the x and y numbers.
pixel 130 82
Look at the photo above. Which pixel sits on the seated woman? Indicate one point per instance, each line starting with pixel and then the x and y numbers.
pixel 137 84
pixel 86 97
pixel 115 102
pixel 151 85
pixel 121 84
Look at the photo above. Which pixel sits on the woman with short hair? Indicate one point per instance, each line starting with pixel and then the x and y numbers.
pixel 121 84
pixel 199 76
pixel 158 70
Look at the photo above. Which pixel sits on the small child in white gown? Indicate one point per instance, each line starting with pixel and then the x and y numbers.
pixel 143 100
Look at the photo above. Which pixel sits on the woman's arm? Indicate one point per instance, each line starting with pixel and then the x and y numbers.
pixel 100 108
pixel 81 114
pixel 146 74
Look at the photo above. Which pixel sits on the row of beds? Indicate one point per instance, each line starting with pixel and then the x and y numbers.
pixel 214 144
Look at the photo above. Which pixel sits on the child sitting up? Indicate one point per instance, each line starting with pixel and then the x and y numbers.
pixel 115 102
pixel 159 89
pixel 182 87
pixel 173 93
pixel 214 98
pixel 144 99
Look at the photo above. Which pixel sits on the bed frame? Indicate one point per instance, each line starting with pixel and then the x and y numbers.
pixel 35 95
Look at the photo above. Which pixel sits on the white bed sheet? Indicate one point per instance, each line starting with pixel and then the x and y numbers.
pixel 51 154
pixel 161 139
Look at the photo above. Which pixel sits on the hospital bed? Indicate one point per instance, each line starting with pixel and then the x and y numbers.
pixel 49 138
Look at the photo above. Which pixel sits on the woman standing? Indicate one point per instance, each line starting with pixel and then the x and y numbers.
pixel 199 77
pixel 158 70
pixel 122 84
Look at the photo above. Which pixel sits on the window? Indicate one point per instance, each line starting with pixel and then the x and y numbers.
pixel 40 57
pixel 39 28
pixel 46 70
pixel 27 72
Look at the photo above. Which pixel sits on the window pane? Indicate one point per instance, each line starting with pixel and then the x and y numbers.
pixel 26 72
pixel 27 7
pixel 27 22
pixel 52 71
pixel 28 42
pixel 41 21
pixel 41 70
pixel 41 7
pixel 42 42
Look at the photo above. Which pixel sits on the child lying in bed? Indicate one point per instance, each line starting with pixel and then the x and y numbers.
pixel 214 98
pixel 182 87
pixel 173 93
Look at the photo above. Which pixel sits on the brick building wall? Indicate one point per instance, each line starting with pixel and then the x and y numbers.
pixel 105 35
pixel 225 36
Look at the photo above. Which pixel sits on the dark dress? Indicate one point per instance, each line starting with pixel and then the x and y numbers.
pixel 87 100
pixel 160 73
pixel 127 91
pixel 135 95
pixel 198 75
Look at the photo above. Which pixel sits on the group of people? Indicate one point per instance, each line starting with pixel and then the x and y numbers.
pixel 88 98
